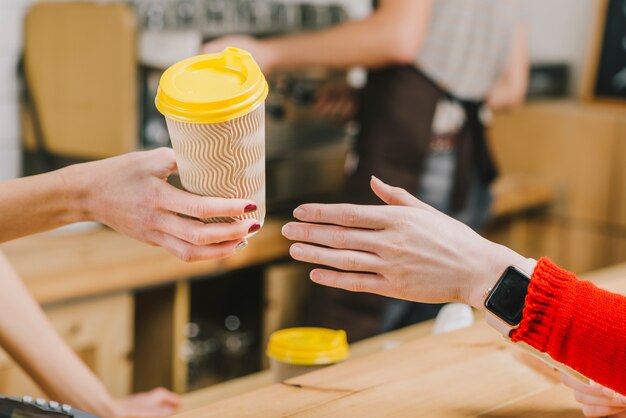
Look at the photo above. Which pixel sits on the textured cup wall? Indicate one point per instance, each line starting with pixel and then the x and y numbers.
pixel 224 159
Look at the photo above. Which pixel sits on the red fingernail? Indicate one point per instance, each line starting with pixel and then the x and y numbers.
pixel 250 208
pixel 254 228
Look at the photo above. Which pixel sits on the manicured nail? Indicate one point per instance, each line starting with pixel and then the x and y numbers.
pixel 378 180
pixel 254 228
pixel 295 251
pixel 241 245
pixel 287 231
pixel 315 275
pixel 299 212
pixel 250 208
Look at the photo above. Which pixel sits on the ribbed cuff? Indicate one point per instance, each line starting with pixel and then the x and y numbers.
pixel 546 297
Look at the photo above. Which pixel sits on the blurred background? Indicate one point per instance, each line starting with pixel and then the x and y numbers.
pixel 92 70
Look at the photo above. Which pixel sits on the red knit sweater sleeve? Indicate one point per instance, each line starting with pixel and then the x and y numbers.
pixel 577 324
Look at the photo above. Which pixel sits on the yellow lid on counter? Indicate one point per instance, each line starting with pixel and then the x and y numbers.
pixel 308 346
pixel 212 88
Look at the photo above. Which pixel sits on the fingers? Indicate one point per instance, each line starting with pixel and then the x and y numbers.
pixel 366 217
pixel 165 396
pixel 597 400
pixel 189 252
pixel 587 399
pixel 341 259
pixel 593 389
pixel 396 196
pixel 608 392
pixel 202 207
pixel 198 233
pixel 331 236
pixel 580 386
pixel 353 282
pixel 594 411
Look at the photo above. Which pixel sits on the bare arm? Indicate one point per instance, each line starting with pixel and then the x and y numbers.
pixel 393 34
pixel 30 340
pixel 510 89
pixel 37 203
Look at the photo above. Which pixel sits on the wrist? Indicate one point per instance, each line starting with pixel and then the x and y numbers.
pixel 76 193
pixel 495 259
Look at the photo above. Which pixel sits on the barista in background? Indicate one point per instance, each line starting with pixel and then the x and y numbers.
pixel 435 67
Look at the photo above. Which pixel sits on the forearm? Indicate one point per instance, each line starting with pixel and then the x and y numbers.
pixel 30 340
pixel 509 90
pixel 577 324
pixel 505 96
pixel 38 203
pixel 391 35
pixel 340 48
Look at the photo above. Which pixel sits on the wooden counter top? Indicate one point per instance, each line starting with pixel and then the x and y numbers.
pixel 61 267
pixel 468 373
pixel 514 194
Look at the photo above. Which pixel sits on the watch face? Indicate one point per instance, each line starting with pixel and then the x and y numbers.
pixel 508 296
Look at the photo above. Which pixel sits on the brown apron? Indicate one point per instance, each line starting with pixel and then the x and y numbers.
pixel 396 111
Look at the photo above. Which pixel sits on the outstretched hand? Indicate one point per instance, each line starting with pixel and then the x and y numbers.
pixel 130 194
pixel 405 249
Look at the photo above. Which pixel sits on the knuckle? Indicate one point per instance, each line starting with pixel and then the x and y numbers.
pixel 225 252
pixel 196 209
pixel 147 219
pixel 350 215
pixel 396 196
pixel 197 237
pixel 160 391
pixel 305 233
pixel 350 262
pixel 317 213
pixel 357 286
pixel 185 255
pixel 339 238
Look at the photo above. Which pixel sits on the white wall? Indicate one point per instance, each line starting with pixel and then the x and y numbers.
pixel 560 32
pixel 11 17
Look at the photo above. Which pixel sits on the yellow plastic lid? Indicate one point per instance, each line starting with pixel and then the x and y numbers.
pixel 211 88
pixel 308 346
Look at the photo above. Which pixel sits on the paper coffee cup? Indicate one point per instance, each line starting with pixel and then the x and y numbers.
pixel 295 351
pixel 214 109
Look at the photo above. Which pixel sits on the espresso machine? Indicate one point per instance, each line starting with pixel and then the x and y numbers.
pixel 305 154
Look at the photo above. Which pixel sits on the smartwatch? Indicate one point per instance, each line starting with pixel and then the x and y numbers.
pixel 504 304
pixel 505 301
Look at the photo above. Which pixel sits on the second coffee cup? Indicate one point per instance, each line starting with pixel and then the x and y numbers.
pixel 214 109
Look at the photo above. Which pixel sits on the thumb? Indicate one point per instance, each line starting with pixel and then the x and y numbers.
pixel 396 196
pixel 164 162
